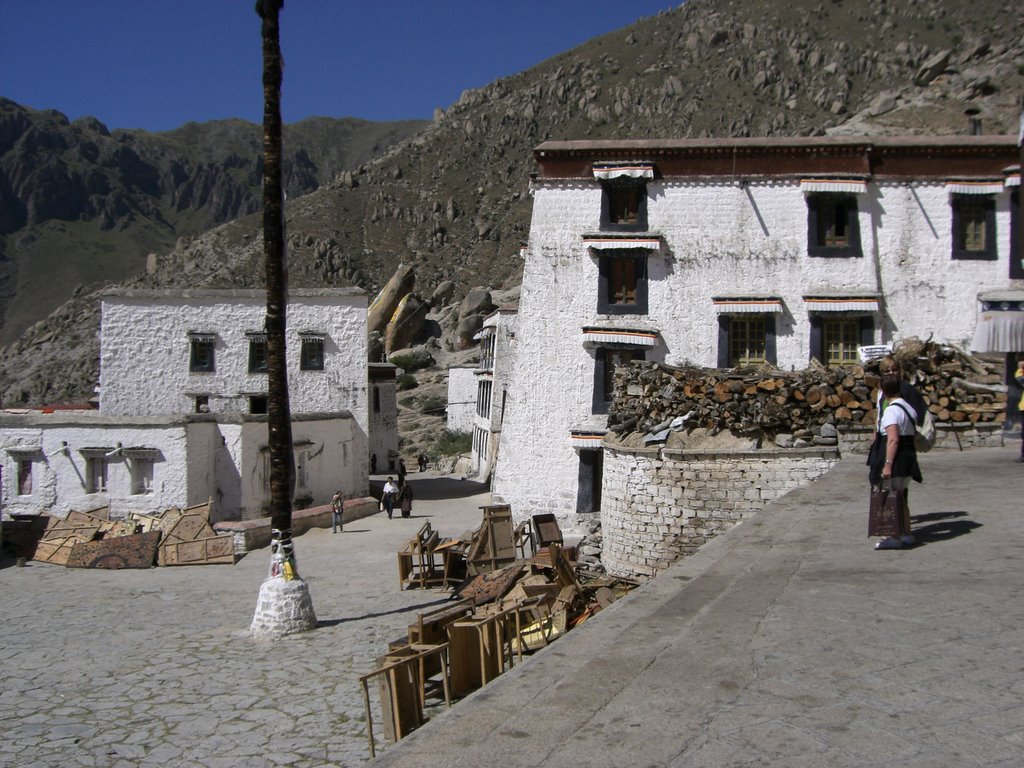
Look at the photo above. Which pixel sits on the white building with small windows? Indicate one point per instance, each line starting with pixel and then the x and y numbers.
pixel 183 402
pixel 736 252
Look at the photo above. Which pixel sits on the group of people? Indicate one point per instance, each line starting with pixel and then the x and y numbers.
pixel 892 459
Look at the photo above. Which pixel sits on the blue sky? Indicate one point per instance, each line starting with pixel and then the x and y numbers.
pixel 157 64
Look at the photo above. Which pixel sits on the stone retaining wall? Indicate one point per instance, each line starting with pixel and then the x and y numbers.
pixel 255 534
pixel 658 505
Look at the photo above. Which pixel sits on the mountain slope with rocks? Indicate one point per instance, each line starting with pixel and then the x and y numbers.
pixel 81 204
pixel 452 201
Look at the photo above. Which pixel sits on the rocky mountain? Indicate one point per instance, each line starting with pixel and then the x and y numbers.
pixel 81 204
pixel 452 201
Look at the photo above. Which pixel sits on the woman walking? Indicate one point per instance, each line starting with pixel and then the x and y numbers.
pixel 893 458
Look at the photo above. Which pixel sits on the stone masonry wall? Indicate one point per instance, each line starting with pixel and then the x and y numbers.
pixel 661 504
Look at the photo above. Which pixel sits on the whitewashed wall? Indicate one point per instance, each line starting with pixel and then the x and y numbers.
pixel 218 457
pixel 720 239
pixel 59 476
pixel 384 438
pixel 144 353
pixel 461 399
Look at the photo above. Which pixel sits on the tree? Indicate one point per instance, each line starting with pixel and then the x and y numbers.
pixel 284 605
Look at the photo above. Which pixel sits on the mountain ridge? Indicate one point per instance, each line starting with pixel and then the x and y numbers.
pixel 451 200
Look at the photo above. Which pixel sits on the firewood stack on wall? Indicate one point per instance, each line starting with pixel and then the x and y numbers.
pixel 762 403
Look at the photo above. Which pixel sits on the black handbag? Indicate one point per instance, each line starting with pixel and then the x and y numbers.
pixel 884 512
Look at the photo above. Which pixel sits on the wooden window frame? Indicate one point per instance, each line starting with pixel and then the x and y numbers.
pixel 96 474
pixel 727 326
pixel 257 354
pixel 865 329
pixel 624 205
pixel 622 283
pixel 974 210
pixel 824 209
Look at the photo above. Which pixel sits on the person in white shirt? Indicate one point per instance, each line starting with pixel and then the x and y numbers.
pixel 894 456
pixel 388 496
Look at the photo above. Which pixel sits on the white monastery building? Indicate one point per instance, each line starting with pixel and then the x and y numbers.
pixel 183 402
pixel 736 252
pixel 493 377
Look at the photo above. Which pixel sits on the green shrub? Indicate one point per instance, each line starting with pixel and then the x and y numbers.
pixel 432 404
pixel 452 443
pixel 407 381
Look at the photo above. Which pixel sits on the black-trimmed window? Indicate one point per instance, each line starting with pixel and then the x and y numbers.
pixel 258 404
pixel 201 354
pixel 624 204
pixel 974 227
pixel 312 354
pixel 622 288
pixel 747 339
pixel 606 361
pixel 832 225
pixel 835 338
pixel 589 478
pixel 257 353
pixel 202 404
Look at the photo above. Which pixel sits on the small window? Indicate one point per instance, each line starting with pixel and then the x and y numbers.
pixel 201 357
pixel 95 474
pixel 202 404
pixel 624 204
pixel 607 360
pixel 258 404
pixel 974 227
pixel 376 399
pixel 142 476
pixel 24 477
pixel 835 338
pixel 832 225
pixel 746 340
pixel 257 354
pixel 623 283
pixel 312 356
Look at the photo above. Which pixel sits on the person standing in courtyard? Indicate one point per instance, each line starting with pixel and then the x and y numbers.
pixel 401 471
pixel 893 458
pixel 405 499
pixel 337 506
pixel 422 461
pixel 387 498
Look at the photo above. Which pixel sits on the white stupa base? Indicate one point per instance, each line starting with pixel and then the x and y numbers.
pixel 284 607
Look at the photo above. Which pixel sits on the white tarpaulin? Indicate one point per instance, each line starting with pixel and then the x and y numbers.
pixel 599 243
pixel 747 306
pixel 999 331
pixel 974 187
pixel 632 337
pixel 822 304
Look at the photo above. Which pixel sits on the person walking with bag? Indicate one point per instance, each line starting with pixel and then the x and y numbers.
pixel 337 507
pixel 893 458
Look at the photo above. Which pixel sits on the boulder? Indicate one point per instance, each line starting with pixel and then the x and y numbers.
pixel 467 329
pixel 406 323
pixel 384 306
pixel 933 67
pixel 443 293
pixel 477 302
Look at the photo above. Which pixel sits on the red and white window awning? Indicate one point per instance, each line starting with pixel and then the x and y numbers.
pixel 841 304
pixel 844 186
pixel 974 187
pixel 604 171
pixel 747 305
pixel 613 242
pixel 579 438
pixel 634 337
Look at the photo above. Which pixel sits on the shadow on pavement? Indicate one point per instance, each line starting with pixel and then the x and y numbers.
pixel 941 526
pixel 436 488
pixel 406 609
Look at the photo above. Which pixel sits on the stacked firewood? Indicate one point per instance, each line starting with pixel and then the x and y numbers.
pixel 764 401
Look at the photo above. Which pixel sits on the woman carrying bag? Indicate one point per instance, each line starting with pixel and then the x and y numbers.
pixel 893 458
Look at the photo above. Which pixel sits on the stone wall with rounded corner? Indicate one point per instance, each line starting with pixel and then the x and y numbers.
pixel 659 505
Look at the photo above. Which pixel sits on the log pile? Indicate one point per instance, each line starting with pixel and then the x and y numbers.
pixel 762 402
